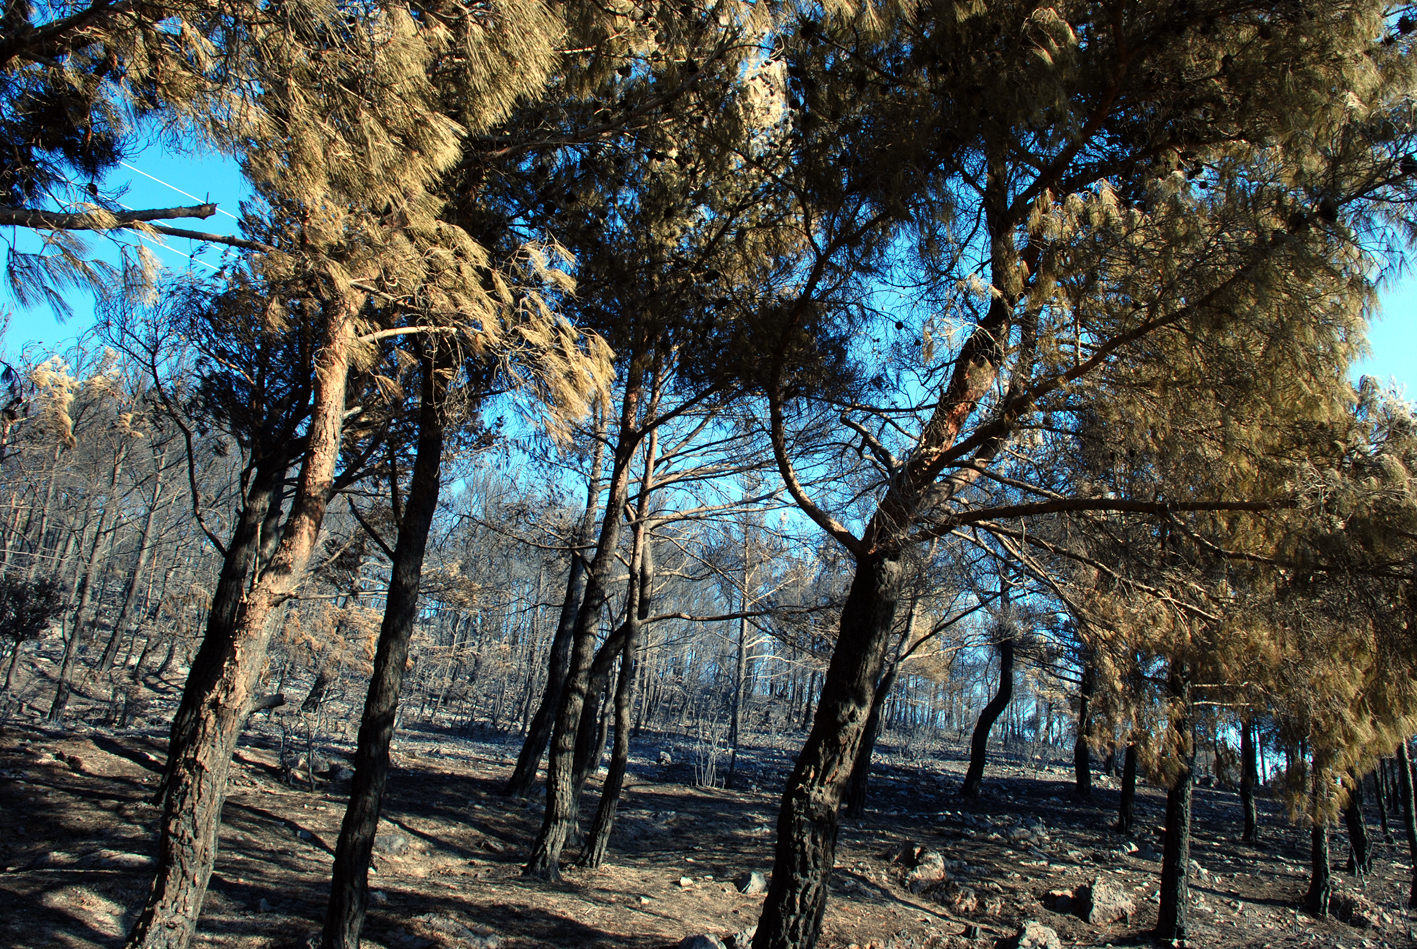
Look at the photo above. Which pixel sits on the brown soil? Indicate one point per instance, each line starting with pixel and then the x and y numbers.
pixel 76 835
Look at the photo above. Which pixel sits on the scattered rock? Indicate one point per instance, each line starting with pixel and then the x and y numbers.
pixel 686 882
pixel 925 867
pixel 115 860
pixel 304 834
pixel 1352 909
pixel 742 939
pixel 1102 902
pixel 392 844
pixel 1059 901
pixel 1033 935
pixel 377 898
pixel 264 906
pixel 702 941
pixel 965 900
pixel 665 758
pixel 753 884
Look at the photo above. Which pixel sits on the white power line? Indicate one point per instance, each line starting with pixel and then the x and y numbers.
pixel 175 188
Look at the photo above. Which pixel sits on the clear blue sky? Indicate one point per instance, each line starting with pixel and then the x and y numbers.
pixel 1393 336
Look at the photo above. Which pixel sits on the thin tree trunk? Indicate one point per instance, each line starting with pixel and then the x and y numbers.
pixel 539 733
pixel 979 743
pixel 1316 901
pixel 1409 814
pixel 349 884
pixel 130 594
pixel 740 668
pixel 102 538
pixel 1381 797
pixel 1126 809
pixel 14 664
pixel 1082 759
pixel 1249 777
pixel 1360 857
pixel 559 819
pixel 223 695
pixel 1176 851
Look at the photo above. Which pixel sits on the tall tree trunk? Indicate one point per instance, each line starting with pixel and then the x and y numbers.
pixel 1082 759
pixel 740 668
pixel 103 536
pixel 222 699
pixel 1380 795
pixel 1316 900
pixel 807 823
pixel 1126 808
pixel 130 593
pixel 539 733
pixel 1360 856
pixel 1176 851
pixel 14 664
pixel 637 604
pixel 558 820
pixel 979 743
pixel 1249 777
pixel 349 884
pixel 1409 815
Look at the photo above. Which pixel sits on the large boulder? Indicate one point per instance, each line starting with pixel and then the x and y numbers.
pixel 1033 935
pixel 1102 902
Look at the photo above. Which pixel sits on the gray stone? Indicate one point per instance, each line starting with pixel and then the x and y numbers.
pixel 1103 902
pixel 264 906
pixel 753 884
pixel 702 941
pixel 304 834
pixel 391 843
pixel 116 860
pixel 1033 935
pixel 742 939
pixel 378 898
pixel 927 868
pixel 665 758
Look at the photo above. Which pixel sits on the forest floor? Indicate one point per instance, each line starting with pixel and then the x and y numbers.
pixel 77 840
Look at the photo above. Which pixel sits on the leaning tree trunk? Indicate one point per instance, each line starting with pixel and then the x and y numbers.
pixel 1082 757
pixel 1249 777
pixel 1360 856
pixel 807 823
pixel 1126 808
pixel 349 884
pixel 146 544
pixel 979 744
pixel 559 661
pixel 1409 814
pixel 199 763
pixel 559 818
pixel 637 602
pixel 1176 850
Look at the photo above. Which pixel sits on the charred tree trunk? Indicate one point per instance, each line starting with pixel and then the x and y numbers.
pixel 861 770
pixel 559 818
pixel 539 732
pixel 1316 900
pixel 226 688
pixel 1380 795
pixel 1249 777
pixel 1126 810
pixel 807 823
pixel 1176 850
pixel 349 885
pixel 979 743
pixel 638 600
pixel 146 543
pixel 1082 757
pixel 1409 815
pixel 1360 856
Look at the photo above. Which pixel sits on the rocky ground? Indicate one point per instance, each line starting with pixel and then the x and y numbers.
pixel 922 870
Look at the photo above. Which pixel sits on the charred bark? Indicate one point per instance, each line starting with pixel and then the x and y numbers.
pixel 1316 900
pixel 861 771
pixel 221 700
pixel 979 743
pixel 1249 777
pixel 559 661
pixel 349 884
pixel 1082 755
pixel 807 823
pixel 1176 849
pixel 1409 815
pixel 1360 856
pixel 1126 809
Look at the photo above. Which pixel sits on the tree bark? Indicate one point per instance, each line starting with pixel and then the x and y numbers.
pixel 807 823
pixel 1249 777
pixel 559 818
pixel 1176 850
pixel 1126 809
pixel 861 770
pixel 1082 756
pixel 539 732
pixel 979 743
pixel 1409 815
pixel 220 701
pixel 1380 795
pixel 1360 857
pixel 1316 900
pixel 349 884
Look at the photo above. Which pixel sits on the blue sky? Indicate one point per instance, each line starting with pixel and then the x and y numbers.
pixel 1392 336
